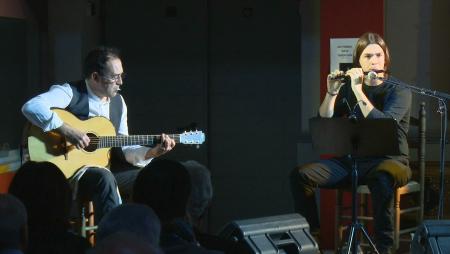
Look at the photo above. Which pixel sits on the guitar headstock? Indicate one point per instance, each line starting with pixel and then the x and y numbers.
pixel 192 137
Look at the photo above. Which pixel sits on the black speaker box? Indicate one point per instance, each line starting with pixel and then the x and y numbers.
pixel 432 237
pixel 276 234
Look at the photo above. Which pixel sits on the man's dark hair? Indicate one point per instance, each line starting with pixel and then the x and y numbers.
pixel 165 186
pixel 97 58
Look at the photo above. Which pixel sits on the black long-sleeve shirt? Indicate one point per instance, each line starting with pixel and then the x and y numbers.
pixel 390 101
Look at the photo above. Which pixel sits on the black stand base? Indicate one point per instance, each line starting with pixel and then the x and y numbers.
pixel 352 241
pixel 353 244
pixel 355 139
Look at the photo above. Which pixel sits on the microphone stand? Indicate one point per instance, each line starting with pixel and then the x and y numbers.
pixel 442 99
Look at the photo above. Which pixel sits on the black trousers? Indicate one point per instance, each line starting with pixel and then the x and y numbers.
pixel 125 181
pixel 100 186
pixel 334 173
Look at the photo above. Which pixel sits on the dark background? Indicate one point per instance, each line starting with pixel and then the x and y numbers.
pixel 245 72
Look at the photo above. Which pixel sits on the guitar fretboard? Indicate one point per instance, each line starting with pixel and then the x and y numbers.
pixel 119 141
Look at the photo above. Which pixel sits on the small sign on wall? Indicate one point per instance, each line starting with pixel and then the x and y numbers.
pixel 341 53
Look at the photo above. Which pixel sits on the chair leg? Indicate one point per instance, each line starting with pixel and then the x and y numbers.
pixel 88 222
pixel 397 220
pixel 337 220
pixel 91 223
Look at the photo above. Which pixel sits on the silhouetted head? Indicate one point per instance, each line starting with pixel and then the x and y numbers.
pixel 125 243
pixel 13 223
pixel 138 219
pixel 201 189
pixel 165 186
pixel 46 194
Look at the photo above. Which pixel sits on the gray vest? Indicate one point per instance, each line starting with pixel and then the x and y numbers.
pixel 79 105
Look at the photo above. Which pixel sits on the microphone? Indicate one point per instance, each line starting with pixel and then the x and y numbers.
pixel 372 75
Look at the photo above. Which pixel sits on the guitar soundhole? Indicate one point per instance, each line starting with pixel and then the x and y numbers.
pixel 93 145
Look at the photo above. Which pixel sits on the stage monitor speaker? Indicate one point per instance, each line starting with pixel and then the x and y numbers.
pixel 287 233
pixel 432 237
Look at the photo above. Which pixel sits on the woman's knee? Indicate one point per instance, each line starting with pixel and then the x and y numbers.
pixel 399 172
pixel 298 176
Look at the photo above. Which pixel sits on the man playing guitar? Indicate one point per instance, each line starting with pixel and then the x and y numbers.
pixel 96 95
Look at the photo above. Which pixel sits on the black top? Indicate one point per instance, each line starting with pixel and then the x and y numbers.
pixel 390 101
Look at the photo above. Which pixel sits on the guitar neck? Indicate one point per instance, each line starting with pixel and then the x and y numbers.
pixel 119 141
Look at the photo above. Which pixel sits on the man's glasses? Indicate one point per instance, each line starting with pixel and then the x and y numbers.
pixel 115 78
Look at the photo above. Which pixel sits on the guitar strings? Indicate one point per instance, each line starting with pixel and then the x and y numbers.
pixel 136 138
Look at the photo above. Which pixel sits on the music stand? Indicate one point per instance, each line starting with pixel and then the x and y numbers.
pixel 355 138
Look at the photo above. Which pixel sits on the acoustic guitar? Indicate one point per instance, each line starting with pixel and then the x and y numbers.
pixel 53 147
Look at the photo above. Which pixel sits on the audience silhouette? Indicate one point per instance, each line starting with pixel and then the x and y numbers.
pixel 47 196
pixel 13 225
pixel 165 186
pixel 124 243
pixel 137 219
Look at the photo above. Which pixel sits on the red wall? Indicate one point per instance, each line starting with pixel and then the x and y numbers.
pixel 342 19
pixel 346 19
pixel 5 180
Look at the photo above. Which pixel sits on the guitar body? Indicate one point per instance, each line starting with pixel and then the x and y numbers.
pixel 52 147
